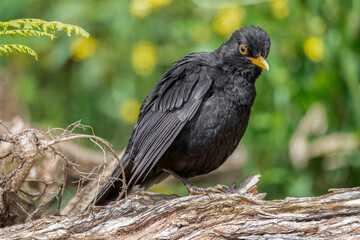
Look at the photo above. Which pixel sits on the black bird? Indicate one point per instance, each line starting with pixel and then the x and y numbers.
pixel 195 116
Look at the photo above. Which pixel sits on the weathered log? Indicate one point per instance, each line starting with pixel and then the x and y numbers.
pixel 147 215
pixel 239 215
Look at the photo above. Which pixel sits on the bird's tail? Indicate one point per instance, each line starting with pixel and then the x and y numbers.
pixel 110 191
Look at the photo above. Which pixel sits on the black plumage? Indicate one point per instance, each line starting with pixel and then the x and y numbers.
pixel 195 116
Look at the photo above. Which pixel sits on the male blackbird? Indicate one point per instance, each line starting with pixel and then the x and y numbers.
pixel 195 116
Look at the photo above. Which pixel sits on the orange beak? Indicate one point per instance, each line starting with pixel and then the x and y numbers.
pixel 260 62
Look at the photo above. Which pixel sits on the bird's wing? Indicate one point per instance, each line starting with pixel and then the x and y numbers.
pixel 172 103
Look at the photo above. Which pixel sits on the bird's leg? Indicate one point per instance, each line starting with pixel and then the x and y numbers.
pixel 193 190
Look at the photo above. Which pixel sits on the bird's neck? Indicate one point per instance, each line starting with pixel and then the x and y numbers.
pixel 235 87
pixel 237 84
pixel 240 90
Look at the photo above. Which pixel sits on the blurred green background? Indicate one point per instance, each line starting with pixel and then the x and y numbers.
pixel 314 72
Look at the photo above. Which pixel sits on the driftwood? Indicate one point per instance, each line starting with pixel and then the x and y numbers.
pixel 147 215
pixel 239 214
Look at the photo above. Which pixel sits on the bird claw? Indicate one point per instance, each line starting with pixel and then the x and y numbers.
pixel 220 187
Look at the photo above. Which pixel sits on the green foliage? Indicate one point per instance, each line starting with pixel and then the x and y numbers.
pixel 27 32
pixel 34 27
pixel 9 48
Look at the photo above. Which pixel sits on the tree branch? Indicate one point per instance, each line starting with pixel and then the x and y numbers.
pixel 215 216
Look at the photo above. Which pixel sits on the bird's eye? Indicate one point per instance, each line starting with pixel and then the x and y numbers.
pixel 243 49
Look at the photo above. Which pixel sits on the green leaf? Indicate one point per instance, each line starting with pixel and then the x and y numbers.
pixel 35 28
pixel 24 33
pixel 29 25
pixel 9 48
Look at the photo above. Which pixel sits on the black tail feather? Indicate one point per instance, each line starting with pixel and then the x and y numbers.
pixel 110 191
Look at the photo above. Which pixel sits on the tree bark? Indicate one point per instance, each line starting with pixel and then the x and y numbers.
pixel 147 215
pixel 239 214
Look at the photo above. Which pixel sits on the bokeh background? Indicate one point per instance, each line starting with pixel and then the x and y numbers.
pixel 303 135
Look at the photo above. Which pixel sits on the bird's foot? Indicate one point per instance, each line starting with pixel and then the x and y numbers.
pixel 194 190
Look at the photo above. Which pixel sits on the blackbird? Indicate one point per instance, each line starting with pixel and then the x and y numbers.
pixel 194 117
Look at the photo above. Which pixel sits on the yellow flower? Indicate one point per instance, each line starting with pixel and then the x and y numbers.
pixel 314 49
pixel 228 20
pixel 142 8
pixel 280 8
pixel 82 48
pixel 158 3
pixel 143 58
pixel 129 111
pixel 200 32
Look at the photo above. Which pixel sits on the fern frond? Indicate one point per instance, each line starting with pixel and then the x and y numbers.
pixel 9 48
pixel 24 33
pixel 28 24
pixel 68 28
pixel 35 27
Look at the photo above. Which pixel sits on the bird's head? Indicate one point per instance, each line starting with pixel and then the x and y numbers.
pixel 245 52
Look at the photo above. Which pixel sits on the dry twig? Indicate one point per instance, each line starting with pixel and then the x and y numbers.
pixel 27 145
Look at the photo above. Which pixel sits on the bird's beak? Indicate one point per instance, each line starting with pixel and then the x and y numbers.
pixel 260 62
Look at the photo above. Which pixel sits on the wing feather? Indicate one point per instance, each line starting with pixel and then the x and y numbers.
pixel 172 106
pixel 157 148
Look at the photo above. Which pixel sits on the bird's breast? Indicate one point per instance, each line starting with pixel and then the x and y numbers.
pixel 209 138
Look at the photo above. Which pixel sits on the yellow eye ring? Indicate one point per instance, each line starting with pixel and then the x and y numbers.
pixel 243 49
